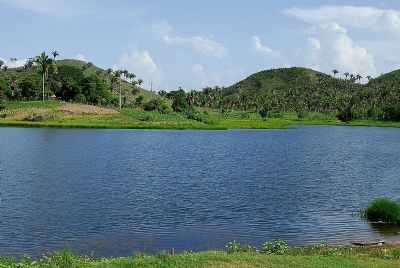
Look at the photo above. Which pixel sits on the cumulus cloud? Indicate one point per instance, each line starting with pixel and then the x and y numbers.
pixel 332 47
pixel 199 44
pixel 364 17
pixel 260 47
pixel 141 63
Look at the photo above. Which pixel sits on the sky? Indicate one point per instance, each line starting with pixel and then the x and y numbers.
pixel 194 44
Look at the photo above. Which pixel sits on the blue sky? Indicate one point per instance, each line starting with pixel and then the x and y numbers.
pixel 195 44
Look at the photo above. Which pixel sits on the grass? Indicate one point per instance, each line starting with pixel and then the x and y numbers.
pixel 383 210
pixel 138 119
pixel 310 257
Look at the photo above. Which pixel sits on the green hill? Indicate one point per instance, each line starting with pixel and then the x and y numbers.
pixel 277 79
pixel 69 73
pixel 388 79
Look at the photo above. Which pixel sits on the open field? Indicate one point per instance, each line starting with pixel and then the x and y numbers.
pixel 66 115
pixel 316 257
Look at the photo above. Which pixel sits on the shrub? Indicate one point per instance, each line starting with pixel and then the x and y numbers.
pixel 383 210
pixel 197 116
pixel 278 247
pixel 158 105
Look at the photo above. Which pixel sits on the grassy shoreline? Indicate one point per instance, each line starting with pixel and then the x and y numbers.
pixel 316 257
pixel 53 115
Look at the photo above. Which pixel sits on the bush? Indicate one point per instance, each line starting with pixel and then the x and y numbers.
pixel 383 210
pixel 192 114
pixel 278 247
pixel 158 105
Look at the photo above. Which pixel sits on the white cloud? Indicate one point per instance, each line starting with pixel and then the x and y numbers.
pixel 260 47
pixel 199 44
pixel 364 17
pixel 81 57
pixel 332 47
pixel 141 63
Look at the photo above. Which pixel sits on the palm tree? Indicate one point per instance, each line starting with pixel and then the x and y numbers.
pixel 116 79
pixel 1 63
pixel 346 74
pixel 359 77
pixel 369 78
pixel 55 54
pixel 335 72
pixel 140 82
pixel 44 62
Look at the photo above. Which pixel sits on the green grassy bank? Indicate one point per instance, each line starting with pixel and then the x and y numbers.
pixel 313 257
pixel 52 114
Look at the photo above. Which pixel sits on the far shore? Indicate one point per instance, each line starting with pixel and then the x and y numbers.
pixel 54 114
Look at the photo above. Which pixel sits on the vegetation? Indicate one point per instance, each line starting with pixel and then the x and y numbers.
pixel 383 210
pixel 268 99
pixel 44 78
pixel 300 90
pixel 315 256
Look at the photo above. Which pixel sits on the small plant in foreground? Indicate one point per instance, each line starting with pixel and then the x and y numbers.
pixel 278 247
pixel 383 210
pixel 233 247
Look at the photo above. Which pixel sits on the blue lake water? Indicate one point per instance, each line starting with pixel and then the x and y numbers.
pixel 113 192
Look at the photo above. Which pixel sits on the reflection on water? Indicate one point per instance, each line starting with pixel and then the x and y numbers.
pixel 111 192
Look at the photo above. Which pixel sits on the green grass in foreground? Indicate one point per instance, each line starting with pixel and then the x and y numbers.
pixel 138 119
pixel 315 257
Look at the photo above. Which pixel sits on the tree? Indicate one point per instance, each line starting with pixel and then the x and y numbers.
pixel 347 74
pixel 1 63
pixel 335 72
pixel 117 80
pixel 55 54
pixel 44 63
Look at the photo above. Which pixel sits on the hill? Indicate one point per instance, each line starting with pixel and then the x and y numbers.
pixel 388 79
pixel 27 81
pixel 277 79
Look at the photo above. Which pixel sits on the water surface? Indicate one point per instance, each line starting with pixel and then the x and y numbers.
pixel 111 192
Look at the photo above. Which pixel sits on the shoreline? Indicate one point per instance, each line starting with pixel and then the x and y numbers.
pixel 282 126
pixel 318 256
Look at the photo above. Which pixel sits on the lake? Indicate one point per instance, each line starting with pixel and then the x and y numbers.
pixel 113 192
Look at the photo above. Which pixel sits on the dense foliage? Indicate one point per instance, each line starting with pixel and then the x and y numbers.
pixel 44 77
pixel 301 90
